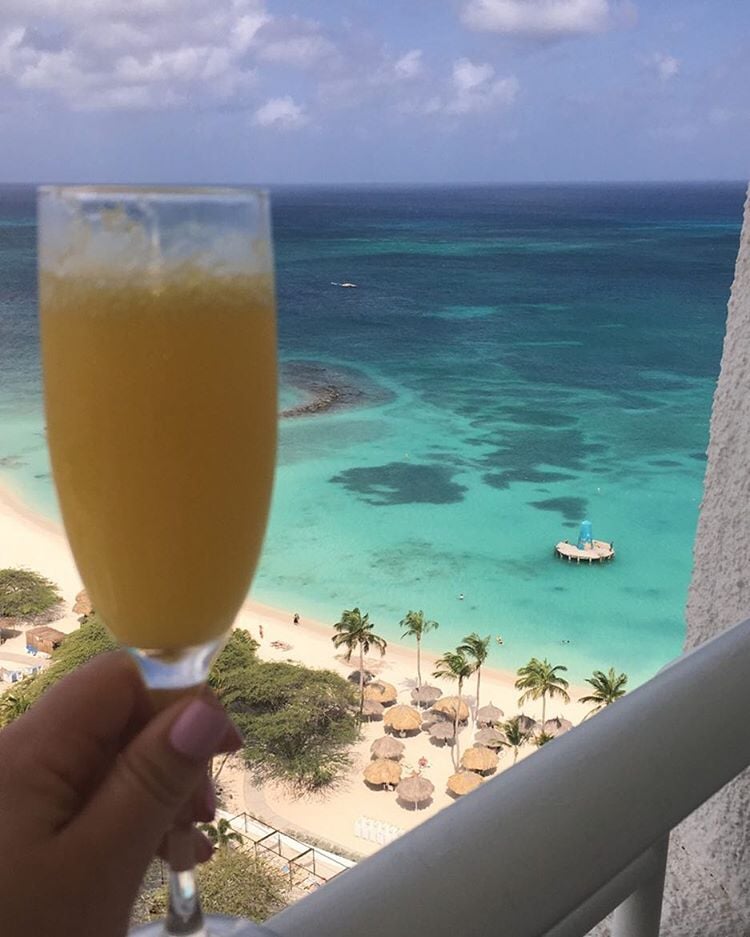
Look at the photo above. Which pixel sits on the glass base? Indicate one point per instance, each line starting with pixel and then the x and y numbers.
pixel 175 670
pixel 216 925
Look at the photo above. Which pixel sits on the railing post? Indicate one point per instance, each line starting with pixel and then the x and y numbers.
pixel 640 914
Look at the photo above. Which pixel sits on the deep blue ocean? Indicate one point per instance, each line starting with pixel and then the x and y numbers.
pixel 512 360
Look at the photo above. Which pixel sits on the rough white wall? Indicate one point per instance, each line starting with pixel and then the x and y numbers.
pixel 709 873
pixel 707 892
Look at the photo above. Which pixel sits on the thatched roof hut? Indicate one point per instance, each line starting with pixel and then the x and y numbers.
pixel 463 782
pixel 372 710
pixel 479 759
pixel 489 715
pixel 403 719
pixel 381 692
pixel 425 695
pixel 387 747
pixel 447 706
pixel 383 772
pixel 492 738
pixel 557 726
pixel 442 732
pixel 82 605
pixel 415 790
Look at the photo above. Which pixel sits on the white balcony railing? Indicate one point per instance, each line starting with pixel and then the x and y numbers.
pixel 581 828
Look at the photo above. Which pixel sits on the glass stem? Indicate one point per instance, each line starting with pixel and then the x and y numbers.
pixel 184 915
pixel 170 676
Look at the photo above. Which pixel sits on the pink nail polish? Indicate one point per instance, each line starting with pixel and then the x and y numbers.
pixel 198 729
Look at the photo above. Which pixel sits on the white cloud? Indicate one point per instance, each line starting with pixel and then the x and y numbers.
pixel 10 44
pixel 132 53
pixel 301 51
pixel 476 89
pixel 245 29
pixel 473 88
pixel 666 66
pixel 542 19
pixel 409 65
pixel 283 113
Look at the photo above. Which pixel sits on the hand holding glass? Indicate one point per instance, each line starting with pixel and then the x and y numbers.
pixel 159 353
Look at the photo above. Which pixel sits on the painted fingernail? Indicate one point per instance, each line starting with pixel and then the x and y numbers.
pixel 198 730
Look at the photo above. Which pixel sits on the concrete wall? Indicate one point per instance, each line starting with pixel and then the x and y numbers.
pixel 707 891
pixel 708 884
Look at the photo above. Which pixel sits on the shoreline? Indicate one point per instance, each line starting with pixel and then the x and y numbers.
pixel 28 538
pixel 38 527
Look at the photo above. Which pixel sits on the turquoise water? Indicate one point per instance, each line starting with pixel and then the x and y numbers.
pixel 513 359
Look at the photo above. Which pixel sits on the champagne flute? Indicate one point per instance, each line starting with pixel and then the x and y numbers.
pixel 158 334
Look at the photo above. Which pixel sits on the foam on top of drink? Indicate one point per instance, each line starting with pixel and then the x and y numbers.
pixel 108 237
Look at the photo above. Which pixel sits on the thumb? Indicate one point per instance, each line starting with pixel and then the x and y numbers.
pixel 150 781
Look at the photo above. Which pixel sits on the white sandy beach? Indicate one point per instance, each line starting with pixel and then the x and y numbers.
pixel 30 540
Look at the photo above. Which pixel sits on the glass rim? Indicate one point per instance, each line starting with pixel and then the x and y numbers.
pixel 176 193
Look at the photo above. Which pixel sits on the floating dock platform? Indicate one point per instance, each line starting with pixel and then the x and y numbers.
pixel 596 551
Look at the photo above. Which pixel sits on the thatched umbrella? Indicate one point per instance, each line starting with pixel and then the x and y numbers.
pixel 403 719
pixel 526 723
pixel 463 783
pixel 557 726
pixel 82 605
pixel 442 732
pixel 479 759
pixel 381 692
pixel 492 738
pixel 425 695
pixel 372 710
pixel 387 747
pixel 382 772
pixel 415 789
pixel 489 715
pixel 367 676
pixel 447 705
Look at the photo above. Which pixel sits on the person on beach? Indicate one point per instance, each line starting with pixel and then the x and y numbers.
pixel 260 631
pixel 296 618
pixel 90 784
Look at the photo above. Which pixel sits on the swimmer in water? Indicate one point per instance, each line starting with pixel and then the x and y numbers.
pixel 461 596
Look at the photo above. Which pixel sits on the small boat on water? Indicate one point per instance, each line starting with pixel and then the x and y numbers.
pixel 351 286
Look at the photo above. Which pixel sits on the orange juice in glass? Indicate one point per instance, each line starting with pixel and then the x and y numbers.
pixel 159 353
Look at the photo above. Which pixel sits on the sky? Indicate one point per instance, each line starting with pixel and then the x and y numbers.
pixel 358 91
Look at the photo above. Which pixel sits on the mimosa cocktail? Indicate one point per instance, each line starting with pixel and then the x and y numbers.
pixel 159 351
pixel 161 420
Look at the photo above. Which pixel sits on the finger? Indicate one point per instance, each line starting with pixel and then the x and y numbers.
pixel 203 804
pixel 58 751
pixel 202 847
pixel 150 782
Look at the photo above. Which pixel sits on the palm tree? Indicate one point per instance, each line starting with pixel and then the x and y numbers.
pixel 454 665
pixel 539 679
pixel 476 649
pixel 221 833
pixel 515 736
pixel 608 687
pixel 415 625
pixel 356 630
pixel 12 706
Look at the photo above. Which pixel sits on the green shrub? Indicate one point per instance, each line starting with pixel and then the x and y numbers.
pixel 232 882
pixel 25 594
